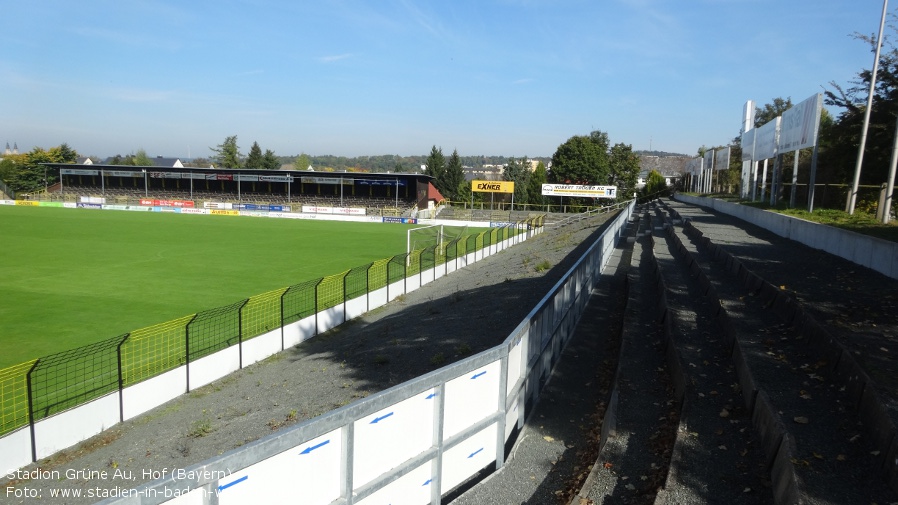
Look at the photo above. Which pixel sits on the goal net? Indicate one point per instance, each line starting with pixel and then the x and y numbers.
pixel 426 237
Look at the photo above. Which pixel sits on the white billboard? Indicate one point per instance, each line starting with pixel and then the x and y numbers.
pixel 800 124
pixel 722 158
pixel 748 145
pixel 765 139
pixel 579 190
pixel 709 159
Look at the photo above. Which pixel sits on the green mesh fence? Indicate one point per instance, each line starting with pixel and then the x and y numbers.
pixel 377 274
pixel 155 349
pixel 397 267
pixel 14 396
pixel 330 291
pixel 452 252
pixel 261 314
pixel 428 258
pixel 356 282
pixel 66 379
pixel 213 330
pixel 471 243
pixel 299 301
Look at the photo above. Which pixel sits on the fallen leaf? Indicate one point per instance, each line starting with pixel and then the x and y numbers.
pixel 841 457
pixel 801 420
pixel 724 413
pixel 547 438
pixel 608 465
pixel 818 456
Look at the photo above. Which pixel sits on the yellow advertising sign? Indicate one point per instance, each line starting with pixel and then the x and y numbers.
pixel 28 203
pixel 492 186
pixel 219 212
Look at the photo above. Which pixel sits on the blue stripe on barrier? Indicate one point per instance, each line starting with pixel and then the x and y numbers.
pixel 313 447
pixel 238 481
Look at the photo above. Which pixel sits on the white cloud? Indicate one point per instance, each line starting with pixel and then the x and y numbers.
pixel 334 57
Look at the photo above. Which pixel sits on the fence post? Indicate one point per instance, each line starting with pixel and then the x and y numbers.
pixel 368 287
pixel 240 332
pixel 316 303
pixel 282 315
pixel 121 380
pixel 31 410
pixel 344 297
pixel 187 349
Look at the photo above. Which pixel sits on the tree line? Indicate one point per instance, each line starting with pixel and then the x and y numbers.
pixel 588 160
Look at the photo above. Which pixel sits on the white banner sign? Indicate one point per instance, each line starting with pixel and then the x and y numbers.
pixel 577 190
pixel 800 125
pixel 77 171
pixel 326 180
pixel 722 158
pixel 765 140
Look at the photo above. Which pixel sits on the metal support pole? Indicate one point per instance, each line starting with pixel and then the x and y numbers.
pixel 890 184
pixel 852 195
pixel 792 193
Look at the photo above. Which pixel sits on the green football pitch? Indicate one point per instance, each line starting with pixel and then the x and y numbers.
pixel 70 277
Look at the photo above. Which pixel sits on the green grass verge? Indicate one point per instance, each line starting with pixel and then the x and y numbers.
pixel 70 277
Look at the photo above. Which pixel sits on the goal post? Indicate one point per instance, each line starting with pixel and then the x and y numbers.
pixel 424 236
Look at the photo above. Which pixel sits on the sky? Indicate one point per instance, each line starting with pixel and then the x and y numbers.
pixel 373 77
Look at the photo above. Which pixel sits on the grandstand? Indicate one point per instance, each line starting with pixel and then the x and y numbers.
pixel 397 194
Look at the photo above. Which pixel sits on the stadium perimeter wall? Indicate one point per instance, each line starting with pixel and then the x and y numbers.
pixel 52 434
pixel 871 252
pixel 415 442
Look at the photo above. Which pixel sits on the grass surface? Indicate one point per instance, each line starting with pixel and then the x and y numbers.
pixel 69 277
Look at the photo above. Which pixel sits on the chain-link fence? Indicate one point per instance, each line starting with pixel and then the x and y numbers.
pixel 38 389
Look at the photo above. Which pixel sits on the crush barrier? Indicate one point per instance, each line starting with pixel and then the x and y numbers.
pixel 59 400
pixel 415 442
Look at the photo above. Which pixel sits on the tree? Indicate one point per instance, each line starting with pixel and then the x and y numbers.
pixel 840 138
pixel 302 162
pixel 771 111
pixel 517 172
pixel 654 184
pixel 199 163
pixel 624 170
pixel 535 185
pixel 227 154
pixel 141 159
pixel 435 166
pixel 25 172
pixel 453 177
pixel 582 160
pixel 254 158
pixel 270 161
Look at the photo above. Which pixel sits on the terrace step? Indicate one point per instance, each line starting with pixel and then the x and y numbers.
pixel 808 424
